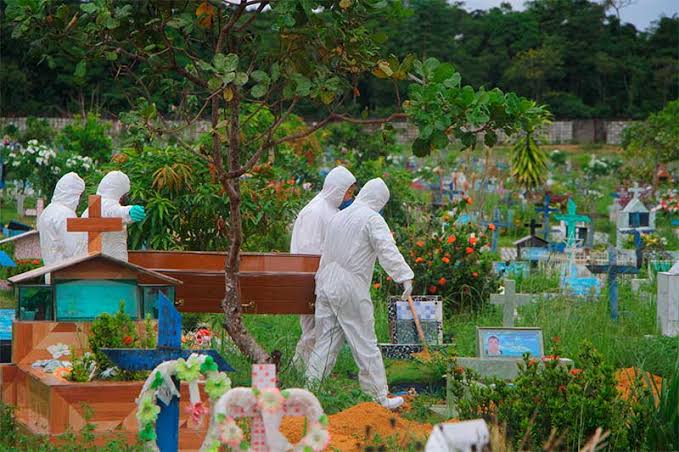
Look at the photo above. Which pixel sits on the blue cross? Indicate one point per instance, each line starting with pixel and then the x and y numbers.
pixel 638 243
pixel 612 269
pixel 546 211
pixel 498 224
pixel 571 219
pixel 168 348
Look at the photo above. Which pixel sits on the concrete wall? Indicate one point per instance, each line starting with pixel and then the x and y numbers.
pixel 559 132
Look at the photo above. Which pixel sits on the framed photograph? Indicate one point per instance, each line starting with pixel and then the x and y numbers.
pixel 509 342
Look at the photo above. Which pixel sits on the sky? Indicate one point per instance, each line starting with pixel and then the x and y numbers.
pixel 641 13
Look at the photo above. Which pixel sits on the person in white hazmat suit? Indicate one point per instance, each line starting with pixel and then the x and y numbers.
pixel 308 234
pixel 112 188
pixel 56 243
pixel 355 237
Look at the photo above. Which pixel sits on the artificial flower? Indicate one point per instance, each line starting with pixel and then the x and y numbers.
pixel 62 372
pixel 158 380
pixel 188 370
pixel 270 399
pixel 217 385
pixel 148 410
pixel 317 439
pixel 148 433
pixel 230 433
pixel 59 350
pixel 209 365
pixel 196 411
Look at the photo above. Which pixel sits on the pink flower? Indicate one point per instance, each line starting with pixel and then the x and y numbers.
pixel 197 411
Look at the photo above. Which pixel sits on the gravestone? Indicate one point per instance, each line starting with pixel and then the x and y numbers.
pixel 510 300
pixel 546 212
pixel 514 269
pixel 668 302
pixel 635 216
pixel 403 332
pixel 495 225
pixel 571 219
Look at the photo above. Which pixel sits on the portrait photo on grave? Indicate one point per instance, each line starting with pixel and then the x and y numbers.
pixel 509 342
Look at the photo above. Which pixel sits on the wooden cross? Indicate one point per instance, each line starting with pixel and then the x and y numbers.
pixel 638 243
pixel 546 211
pixel 612 269
pixel 571 219
pixel 94 225
pixel 533 226
pixel 497 223
pixel 169 348
pixel 510 300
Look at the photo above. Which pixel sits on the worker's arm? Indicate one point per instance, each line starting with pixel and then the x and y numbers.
pixel 388 254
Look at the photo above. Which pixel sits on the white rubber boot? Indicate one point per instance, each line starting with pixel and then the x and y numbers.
pixel 392 403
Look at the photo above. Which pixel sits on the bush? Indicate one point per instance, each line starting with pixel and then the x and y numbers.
pixel 37 129
pixel 86 137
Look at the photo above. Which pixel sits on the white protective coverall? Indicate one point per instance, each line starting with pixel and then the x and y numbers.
pixel 57 244
pixel 112 187
pixel 355 237
pixel 308 235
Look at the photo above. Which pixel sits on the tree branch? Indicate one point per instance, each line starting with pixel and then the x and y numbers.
pixel 225 29
pixel 173 60
pixel 252 18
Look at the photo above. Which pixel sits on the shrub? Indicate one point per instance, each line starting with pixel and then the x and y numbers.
pixel 86 137
pixel 37 129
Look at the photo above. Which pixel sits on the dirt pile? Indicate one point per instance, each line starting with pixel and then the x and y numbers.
pixel 350 428
pixel 627 377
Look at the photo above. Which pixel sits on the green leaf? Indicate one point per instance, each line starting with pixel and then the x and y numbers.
pixel 228 77
pixel 453 81
pixel 80 69
pixel 260 76
pixel 468 139
pixel 111 56
pixel 214 84
pixel 259 90
pixel 327 97
pixel 467 95
pixel 240 79
pixel 303 85
pixel 89 8
pixel 275 71
pixel 421 147
pixel 205 66
pixel 443 72
pixel 230 63
pixel 490 139
pixel 380 37
pixel 439 140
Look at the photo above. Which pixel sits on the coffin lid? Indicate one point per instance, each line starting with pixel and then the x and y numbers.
pixel 38 272
pixel 24 235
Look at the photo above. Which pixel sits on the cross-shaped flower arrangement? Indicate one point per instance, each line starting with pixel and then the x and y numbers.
pixel 159 385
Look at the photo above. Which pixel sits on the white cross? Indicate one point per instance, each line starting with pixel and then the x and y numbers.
pixel 510 300
pixel 636 190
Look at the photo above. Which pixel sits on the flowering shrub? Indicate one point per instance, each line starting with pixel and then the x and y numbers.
pixel 42 166
pixel 22 266
pixel 668 202
pixel 453 261
pixel 200 338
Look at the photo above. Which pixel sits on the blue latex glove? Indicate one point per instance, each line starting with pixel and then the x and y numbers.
pixel 137 213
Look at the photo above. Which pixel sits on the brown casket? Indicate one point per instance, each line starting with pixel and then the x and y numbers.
pixel 273 283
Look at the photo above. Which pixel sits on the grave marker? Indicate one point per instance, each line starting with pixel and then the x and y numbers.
pixel 546 212
pixel 510 300
pixel 94 225
pixel 571 218
pixel 168 349
pixel 612 269
pixel 667 310
pixel 496 225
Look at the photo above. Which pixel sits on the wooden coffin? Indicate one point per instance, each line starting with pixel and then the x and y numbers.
pixel 268 283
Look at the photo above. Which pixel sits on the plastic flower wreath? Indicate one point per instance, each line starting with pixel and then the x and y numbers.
pixel 231 434
pixel 270 399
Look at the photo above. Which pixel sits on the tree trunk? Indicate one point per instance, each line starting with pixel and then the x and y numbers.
pixel 231 305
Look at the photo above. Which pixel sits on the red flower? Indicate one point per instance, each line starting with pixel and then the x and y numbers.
pixel 451 239
pixel 445 260
pixel 432 289
pixel 491 227
pixel 420 244
pixel 469 200
pixel 442 282
pixel 36 262
pixel 473 240
pixel 532 362
pixel 575 372
pixel 127 340
pixel 475 274
pixel 377 285
pixel 470 250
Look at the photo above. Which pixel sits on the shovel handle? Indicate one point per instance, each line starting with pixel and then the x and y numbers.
pixel 420 333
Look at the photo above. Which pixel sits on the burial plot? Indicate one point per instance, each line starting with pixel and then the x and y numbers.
pixel 572 221
pixel 515 269
pixel 546 211
pixel 613 269
pixel 635 216
pixel 402 329
pixel 26 245
pixel 495 226
pixel 531 241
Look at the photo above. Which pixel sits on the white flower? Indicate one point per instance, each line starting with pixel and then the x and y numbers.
pixel 318 438
pixel 59 350
pixel 231 434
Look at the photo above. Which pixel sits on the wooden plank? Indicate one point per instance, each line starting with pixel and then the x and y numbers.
pixel 94 224
pixel 8 384
pixel 95 269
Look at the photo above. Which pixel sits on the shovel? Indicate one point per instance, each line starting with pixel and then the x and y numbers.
pixel 424 355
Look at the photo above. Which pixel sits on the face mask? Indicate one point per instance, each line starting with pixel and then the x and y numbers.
pixel 346 204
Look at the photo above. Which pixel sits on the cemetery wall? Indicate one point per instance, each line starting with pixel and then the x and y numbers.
pixel 558 132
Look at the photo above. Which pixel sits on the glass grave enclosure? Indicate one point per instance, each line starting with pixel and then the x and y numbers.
pixel 72 299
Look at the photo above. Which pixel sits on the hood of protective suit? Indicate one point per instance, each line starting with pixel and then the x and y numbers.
pixel 374 194
pixel 68 190
pixel 336 184
pixel 114 185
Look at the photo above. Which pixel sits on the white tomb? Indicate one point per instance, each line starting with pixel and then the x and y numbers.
pixel 635 215
pixel 668 302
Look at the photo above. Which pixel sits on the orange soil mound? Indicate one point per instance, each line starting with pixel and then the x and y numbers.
pixel 627 377
pixel 348 428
